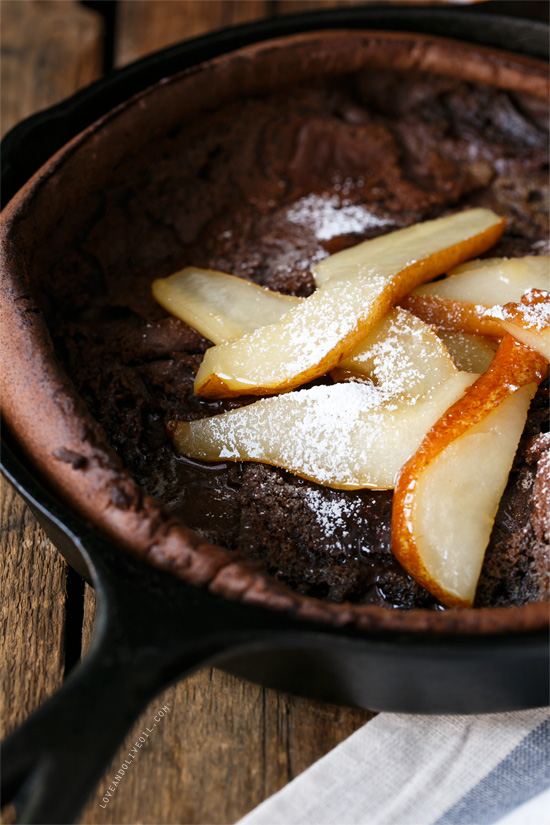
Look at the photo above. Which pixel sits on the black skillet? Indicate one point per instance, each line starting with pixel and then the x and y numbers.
pixel 152 628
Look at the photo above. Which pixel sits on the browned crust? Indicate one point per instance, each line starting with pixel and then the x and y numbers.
pixel 40 403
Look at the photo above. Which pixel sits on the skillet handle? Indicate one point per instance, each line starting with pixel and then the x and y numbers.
pixel 51 764
pixel 150 629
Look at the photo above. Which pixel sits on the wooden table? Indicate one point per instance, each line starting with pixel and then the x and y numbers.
pixel 225 744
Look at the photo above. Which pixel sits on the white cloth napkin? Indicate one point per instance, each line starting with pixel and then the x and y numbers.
pixel 425 770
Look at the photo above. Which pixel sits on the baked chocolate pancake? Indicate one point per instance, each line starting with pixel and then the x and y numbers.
pixel 263 179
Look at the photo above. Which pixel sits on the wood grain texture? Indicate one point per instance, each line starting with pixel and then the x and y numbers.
pixel 49 49
pixel 33 576
pixel 295 6
pixel 223 747
pixel 144 26
pixel 88 617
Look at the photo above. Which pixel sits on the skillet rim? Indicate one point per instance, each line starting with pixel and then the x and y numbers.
pixel 242 581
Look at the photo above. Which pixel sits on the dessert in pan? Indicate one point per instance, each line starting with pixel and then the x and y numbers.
pixel 290 188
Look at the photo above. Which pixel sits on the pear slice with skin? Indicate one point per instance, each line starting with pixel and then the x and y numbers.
pixel 380 248
pixel 346 436
pixel 315 336
pixel 221 307
pixel 461 300
pixel 447 495
pixel 401 354
pixel 527 320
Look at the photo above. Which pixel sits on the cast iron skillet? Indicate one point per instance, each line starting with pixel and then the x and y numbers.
pixel 152 628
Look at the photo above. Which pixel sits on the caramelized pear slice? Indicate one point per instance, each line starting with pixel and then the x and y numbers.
pixel 461 300
pixel 402 354
pixel 447 495
pixel 528 320
pixel 384 248
pixel 221 307
pixel 472 353
pixel 313 337
pixel 346 436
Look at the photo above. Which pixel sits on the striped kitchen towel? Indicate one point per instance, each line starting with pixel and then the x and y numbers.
pixel 425 770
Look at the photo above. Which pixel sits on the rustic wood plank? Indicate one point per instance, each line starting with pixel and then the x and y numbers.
pixel 49 49
pixel 223 747
pixel 295 6
pixel 33 611
pixel 88 618
pixel 143 27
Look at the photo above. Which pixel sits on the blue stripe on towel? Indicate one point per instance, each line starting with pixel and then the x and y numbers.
pixel 523 774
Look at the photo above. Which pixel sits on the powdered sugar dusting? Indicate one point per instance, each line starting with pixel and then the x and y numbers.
pixel 346 436
pixel 532 313
pixel 402 355
pixel 332 514
pixel 329 217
